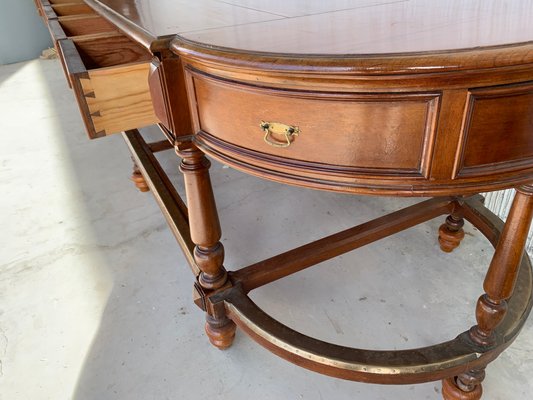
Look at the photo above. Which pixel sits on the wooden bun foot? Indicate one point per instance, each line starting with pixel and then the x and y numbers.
pixel 450 391
pixel 220 333
pixel 449 240
pixel 139 181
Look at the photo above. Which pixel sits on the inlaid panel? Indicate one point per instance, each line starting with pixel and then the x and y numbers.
pixel 497 132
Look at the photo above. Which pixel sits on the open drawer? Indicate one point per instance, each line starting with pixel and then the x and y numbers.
pixel 79 25
pixel 52 9
pixel 57 2
pixel 70 8
pixel 73 26
pixel 109 76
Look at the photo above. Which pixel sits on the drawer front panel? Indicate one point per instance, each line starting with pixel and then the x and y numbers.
pixel 389 133
pixel 497 132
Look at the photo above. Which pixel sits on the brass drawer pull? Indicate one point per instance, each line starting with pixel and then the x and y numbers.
pixel 275 129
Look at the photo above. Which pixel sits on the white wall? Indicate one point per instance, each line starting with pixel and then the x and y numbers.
pixel 23 36
pixel 500 203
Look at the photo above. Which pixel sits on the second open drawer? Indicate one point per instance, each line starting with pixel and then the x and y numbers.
pixel 79 25
pixel 109 76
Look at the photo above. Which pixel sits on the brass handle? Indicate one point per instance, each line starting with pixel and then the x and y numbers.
pixel 273 129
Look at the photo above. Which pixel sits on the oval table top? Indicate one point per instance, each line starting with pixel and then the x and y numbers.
pixel 334 27
pixel 414 97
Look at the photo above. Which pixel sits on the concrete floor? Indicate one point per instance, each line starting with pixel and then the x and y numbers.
pixel 95 297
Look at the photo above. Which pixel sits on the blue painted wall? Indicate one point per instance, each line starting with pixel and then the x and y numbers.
pixel 23 36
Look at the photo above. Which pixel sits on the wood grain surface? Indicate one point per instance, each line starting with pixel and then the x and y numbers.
pixel 330 27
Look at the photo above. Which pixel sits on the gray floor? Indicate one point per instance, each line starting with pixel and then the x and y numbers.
pixel 95 297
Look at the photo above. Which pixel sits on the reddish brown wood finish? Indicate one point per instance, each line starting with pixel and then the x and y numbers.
pixel 419 123
pixel 220 332
pixel 451 232
pixel 138 179
pixel 295 260
pixel 205 234
pixel 172 206
pixel 362 132
pixel 203 217
pixel 501 276
pixel 466 386
pixel 449 239
pixel 421 113
pixel 161 145
pixel 159 100
pixel 65 1
pixel 327 27
pixel 108 51
pixel 450 391
pixel 71 9
pixel 502 115
pixel 77 25
pixel 167 86
pixel 461 357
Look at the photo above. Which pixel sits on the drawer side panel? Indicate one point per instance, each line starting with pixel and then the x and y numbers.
pixel 121 98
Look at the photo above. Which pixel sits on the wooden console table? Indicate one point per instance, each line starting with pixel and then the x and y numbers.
pixel 372 97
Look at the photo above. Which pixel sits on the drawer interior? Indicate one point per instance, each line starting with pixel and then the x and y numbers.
pixel 85 24
pixel 107 71
pixel 112 49
pixel 109 75
pixel 64 9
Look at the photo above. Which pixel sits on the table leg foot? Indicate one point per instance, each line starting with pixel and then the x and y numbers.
pixel 220 332
pixel 138 179
pixel 466 386
pixel 451 233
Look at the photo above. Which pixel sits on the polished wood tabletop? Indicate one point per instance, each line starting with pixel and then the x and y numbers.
pixel 334 26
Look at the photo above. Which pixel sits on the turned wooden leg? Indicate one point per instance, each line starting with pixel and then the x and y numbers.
pixel 503 270
pixel 205 234
pixel 451 232
pixel 220 331
pixel 466 386
pixel 138 178
pixel 498 285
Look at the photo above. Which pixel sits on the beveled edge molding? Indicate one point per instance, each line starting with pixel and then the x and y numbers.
pixel 488 92
pixel 143 37
pixel 388 185
pixel 364 64
pixel 240 153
